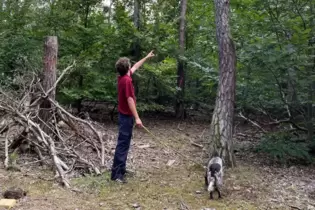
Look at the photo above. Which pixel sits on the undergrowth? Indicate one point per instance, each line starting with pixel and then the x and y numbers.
pixel 286 148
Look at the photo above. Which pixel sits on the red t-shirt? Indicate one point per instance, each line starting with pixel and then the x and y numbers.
pixel 125 90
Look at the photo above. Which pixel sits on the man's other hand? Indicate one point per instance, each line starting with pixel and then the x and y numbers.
pixel 139 123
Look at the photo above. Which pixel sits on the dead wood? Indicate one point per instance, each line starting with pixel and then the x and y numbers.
pixel 67 143
pixel 6 149
pixel 196 145
pixel 252 122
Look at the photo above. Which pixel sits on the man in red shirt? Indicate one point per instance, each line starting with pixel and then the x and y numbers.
pixel 127 113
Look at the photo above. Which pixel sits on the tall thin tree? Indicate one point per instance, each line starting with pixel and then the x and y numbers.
pixel 221 129
pixel 179 107
pixel 311 97
pixel 136 44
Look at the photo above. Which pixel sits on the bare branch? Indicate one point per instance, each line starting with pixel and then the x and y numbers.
pixel 254 123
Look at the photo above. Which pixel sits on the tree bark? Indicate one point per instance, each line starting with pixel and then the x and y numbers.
pixel 87 11
pixel 221 129
pixel 311 95
pixel 48 80
pixel 136 45
pixel 179 107
pixel 110 11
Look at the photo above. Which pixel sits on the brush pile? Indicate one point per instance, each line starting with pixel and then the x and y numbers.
pixel 31 120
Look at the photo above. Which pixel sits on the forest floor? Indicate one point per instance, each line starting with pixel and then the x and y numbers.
pixel 166 180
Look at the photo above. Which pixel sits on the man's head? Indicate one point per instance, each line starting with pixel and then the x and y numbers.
pixel 123 66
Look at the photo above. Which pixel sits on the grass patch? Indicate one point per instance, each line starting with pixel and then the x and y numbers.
pixel 158 189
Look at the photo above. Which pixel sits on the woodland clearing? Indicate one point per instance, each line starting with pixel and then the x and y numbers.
pixel 254 184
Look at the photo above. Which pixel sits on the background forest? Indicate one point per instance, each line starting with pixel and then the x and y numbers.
pixel 275 49
pixel 274 42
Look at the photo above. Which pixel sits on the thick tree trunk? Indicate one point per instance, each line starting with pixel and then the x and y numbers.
pixel 48 80
pixel 221 129
pixel 179 107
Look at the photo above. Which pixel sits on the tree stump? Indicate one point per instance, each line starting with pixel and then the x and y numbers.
pixel 48 81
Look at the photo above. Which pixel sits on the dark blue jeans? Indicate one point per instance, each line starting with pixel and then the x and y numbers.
pixel 122 147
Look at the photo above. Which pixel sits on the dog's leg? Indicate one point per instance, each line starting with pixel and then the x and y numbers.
pixel 206 181
pixel 211 195
pixel 219 193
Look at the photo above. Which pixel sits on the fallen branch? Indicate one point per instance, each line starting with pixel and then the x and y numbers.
pixel 46 94
pixel 252 122
pixel 279 122
pixel 36 161
pixel 6 150
pixel 196 145
pixel 46 139
pixel 294 207
pixel 59 78
pixel 98 134
pixel 201 135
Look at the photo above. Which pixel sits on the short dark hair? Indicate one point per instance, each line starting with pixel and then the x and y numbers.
pixel 122 66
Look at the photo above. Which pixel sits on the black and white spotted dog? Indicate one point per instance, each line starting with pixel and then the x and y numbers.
pixel 214 175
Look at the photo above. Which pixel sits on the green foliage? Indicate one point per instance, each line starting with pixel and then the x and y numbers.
pixel 151 107
pixel 273 40
pixel 273 52
pixel 95 40
pixel 285 148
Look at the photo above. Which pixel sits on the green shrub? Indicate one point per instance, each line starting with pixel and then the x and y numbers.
pixel 285 148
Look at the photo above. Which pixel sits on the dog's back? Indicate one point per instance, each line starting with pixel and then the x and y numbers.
pixel 214 172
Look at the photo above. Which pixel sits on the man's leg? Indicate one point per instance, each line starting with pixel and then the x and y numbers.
pixel 123 144
pixel 130 127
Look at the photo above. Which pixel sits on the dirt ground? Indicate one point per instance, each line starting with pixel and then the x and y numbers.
pixel 166 180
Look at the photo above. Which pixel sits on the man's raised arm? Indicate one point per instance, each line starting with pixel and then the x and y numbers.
pixel 139 63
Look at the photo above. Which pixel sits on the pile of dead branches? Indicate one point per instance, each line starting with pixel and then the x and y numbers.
pixel 59 139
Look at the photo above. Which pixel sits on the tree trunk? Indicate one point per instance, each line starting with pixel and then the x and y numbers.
pixel 136 45
pixel 311 95
pixel 110 11
pixel 48 80
pixel 221 129
pixel 179 107
pixel 84 47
